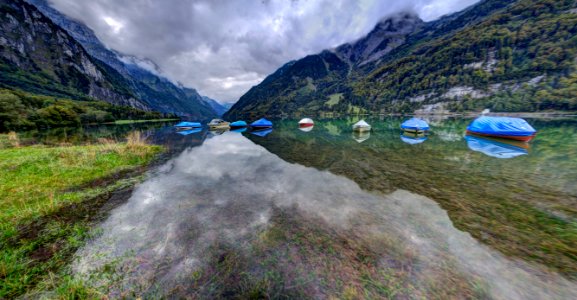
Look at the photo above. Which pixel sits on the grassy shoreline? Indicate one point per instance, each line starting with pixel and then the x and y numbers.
pixel 51 196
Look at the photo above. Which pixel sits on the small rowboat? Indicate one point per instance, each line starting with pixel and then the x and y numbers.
pixel 216 124
pixel 187 125
pixel 502 127
pixel 361 126
pixel 415 125
pixel 306 122
pixel 261 124
pixel 238 124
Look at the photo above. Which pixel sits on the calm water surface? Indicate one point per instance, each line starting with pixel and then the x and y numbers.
pixel 328 213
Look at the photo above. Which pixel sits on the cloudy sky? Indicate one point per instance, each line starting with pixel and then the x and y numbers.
pixel 224 47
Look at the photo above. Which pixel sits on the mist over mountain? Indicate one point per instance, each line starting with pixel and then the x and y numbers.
pixel 128 82
pixel 501 55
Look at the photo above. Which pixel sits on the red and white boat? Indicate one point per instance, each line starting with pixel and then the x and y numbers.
pixel 306 122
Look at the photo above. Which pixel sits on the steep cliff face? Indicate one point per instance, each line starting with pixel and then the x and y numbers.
pixel 497 54
pixel 39 56
pixel 389 34
pixel 158 92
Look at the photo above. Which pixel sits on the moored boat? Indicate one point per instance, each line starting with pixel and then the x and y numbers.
pixel 261 124
pixel 187 125
pixel 502 127
pixel 306 122
pixel 238 124
pixel 216 124
pixel 415 125
pixel 361 126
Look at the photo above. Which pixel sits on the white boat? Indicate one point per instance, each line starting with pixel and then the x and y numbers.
pixel 306 122
pixel 218 124
pixel 361 126
pixel 306 128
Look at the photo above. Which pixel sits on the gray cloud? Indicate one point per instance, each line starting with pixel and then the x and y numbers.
pixel 222 48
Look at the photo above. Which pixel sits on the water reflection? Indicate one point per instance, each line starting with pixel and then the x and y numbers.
pixel 413 138
pixel 261 133
pixel 497 148
pixel 361 136
pixel 191 131
pixel 306 129
pixel 227 194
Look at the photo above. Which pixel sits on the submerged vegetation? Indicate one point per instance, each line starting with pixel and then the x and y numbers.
pixel 504 204
pixel 20 110
pixel 49 198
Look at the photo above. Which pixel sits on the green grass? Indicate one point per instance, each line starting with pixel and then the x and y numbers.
pixel 49 196
pixel 124 122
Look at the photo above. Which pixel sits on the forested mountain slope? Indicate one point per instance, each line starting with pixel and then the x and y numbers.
pixel 503 55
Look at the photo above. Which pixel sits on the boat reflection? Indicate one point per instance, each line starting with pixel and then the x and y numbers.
pixel 361 136
pixel 239 130
pixel 262 133
pixel 498 148
pixel 412 138
pixel 188 132
pixel 306 129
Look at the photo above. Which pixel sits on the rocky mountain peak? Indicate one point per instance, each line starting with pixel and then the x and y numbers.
pixel 387 35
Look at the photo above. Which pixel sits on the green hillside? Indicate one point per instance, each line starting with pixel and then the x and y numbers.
pixel 503 55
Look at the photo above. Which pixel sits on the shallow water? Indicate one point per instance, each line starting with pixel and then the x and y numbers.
pixel 328 213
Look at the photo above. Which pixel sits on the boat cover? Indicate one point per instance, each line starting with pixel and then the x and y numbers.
pixel 415 124
pixel 413 140
pixel 361 123
pixel 188 124
pixel 261 123
pixel 503 126
pixel 494 148
pixel 262 133
pixel 238 124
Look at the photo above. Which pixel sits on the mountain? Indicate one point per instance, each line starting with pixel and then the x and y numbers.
pixel 38 56
pixel 503 55
pixel 220 109
pixel 155 92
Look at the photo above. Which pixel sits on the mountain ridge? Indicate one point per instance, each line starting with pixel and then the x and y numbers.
pixel 490 55
pixel 153 91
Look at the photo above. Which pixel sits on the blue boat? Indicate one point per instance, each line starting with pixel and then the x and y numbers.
pixel 502 127
pixel 415 125
pixel 262 133
pixel 191 131
pixel 188 125
pixel 261 124
pixel 238 124
pixel 500 149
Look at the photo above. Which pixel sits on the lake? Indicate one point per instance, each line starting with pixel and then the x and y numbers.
pixel 332 214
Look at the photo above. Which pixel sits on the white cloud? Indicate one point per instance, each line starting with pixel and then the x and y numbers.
pixel 221 47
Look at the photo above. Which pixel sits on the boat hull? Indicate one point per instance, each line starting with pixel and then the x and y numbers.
pixel 361 129
pixel 304 125
pixel 522 138
pixel 417 131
